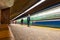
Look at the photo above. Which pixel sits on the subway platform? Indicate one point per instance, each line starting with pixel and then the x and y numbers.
pixel 22 32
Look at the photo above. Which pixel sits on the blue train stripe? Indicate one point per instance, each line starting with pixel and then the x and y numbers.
pixel 48 23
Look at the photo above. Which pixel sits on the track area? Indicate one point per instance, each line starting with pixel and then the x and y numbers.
pixel 22 32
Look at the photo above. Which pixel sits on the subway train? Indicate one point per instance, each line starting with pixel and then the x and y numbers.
pixel 49 17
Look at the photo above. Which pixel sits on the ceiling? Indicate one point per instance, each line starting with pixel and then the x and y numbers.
pixel 20 6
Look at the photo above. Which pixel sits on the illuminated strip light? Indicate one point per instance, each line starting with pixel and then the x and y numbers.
pixel 38 3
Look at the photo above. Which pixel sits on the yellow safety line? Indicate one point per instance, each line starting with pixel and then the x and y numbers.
pixel 49 28
pixel 46 27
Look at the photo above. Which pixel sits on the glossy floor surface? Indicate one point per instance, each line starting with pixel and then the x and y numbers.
pixel 22 32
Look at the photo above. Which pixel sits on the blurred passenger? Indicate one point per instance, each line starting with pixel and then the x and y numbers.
pixel 21 21
pixel 28 20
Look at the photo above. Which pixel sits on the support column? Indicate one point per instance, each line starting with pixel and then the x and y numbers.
pixel 5 20
pixel 0 16
pixel 5 16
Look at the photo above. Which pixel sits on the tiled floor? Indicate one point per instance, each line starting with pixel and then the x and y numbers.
pixel 22 32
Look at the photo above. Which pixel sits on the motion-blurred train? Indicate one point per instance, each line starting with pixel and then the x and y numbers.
pixel 49 17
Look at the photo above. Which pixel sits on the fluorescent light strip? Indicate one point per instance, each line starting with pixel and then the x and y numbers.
pixel 30 8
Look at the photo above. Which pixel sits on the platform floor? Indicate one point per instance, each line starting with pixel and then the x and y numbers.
pixel 22 32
